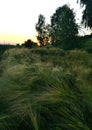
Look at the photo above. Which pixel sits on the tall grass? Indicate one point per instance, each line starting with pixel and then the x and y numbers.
pixel 50 94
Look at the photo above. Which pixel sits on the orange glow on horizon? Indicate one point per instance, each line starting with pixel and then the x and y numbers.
pixel 15 38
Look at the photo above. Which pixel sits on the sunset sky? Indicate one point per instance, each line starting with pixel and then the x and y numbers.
pixel 18 17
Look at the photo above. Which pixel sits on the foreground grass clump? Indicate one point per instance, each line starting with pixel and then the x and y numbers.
pixel 49 91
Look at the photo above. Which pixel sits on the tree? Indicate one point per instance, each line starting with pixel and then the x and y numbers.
pixel 29 43
pixel 63 24
pixel 43 31
pixel 47 34
pixel 87 13
pixel 40 28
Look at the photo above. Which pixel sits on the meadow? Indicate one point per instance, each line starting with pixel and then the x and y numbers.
pixel 45 88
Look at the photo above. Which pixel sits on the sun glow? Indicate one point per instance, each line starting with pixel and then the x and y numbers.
pixel 15 38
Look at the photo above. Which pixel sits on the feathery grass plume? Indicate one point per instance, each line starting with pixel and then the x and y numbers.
pixel 54 94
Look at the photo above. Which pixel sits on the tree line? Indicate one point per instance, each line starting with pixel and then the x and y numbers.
pixel 63 28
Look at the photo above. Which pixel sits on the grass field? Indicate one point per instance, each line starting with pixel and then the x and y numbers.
pixel 45 89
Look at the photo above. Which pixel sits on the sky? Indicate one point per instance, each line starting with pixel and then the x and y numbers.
pixel 19 17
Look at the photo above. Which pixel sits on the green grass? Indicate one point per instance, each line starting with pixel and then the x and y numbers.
pixel 46 89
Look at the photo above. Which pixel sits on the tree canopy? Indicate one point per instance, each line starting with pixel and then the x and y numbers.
pixel 29 44
pixel 40 29
pixel 43 30
pixel 63 24
pixel 87 13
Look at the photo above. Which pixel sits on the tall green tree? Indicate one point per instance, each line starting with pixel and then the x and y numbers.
pixel 63 24
pixel 87 13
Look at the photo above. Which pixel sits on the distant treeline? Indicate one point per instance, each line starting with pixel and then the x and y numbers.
pixel 80 43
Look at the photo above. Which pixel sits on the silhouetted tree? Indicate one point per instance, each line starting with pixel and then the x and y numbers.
pixel 40 28
pixel 29 43
pixel 18 45
pixel 43 30
pixel 87 13
pixel 63 24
